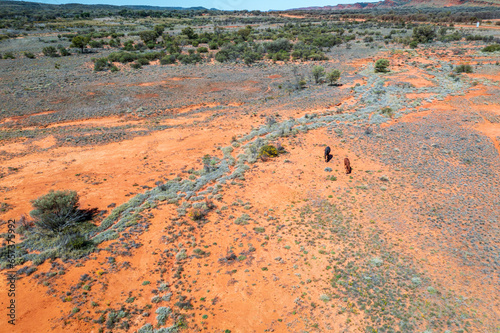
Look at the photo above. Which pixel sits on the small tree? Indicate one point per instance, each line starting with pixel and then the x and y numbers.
pixel 424 33
pixel 50 51
pixel 463 68
pixel 381 66
pixel 268 151
pixel 333 76
pixel 57 211
pixel 159 29
pixel 80 42
pixel 318 72
pixel 148 36
pixel 189 32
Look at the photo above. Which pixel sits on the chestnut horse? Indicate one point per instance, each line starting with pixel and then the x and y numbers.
pixel 347 166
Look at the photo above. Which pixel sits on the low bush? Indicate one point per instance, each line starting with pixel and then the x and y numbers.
pixel 9 55
pixel 333 76
pixel 268 151
pixel 57 211
pixel 381 66
pixel 387 111
pixel 64 52
pixel 143 61
pixel 463 69
pixel 122 56
pixel 50 51
pixel 491 48
pixel 101 64
pixel 168 60
pixel 424 33
pixel 190 58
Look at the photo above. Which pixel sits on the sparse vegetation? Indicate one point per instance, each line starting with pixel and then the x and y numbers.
pixel 57 212
pixel 217 91
pixel 463 68
pixel 491 48
pixel 318 72
pixel 381 66
pixel 333 76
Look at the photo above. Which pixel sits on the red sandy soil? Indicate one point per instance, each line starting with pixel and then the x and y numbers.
pixel 108 174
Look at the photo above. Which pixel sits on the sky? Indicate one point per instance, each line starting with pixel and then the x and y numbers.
pixel 219 4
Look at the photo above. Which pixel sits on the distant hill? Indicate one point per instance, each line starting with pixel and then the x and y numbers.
pixel 408 3
pixel 23 5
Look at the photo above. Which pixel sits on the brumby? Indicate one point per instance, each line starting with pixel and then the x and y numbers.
pixel 327 154
pixel 347 166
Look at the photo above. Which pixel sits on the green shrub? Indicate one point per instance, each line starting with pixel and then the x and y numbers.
pixel 95 44
pixel 122 56
pixel 333 76
pixel 136 65
pixel 101 64
pixel 190 59
pixel 202 49
pixel 57 211
pixel 381 66
pixel 318 72
pixel 250 57
pixel 168 60
pixel 279 56
pixel 153 55
pixel 64 52
pixel 148 36
pixel 198 214
pixel 50 51
pixel 278 45
pixel 128 45
pixel 29 55
pixel 424 33
pixel 268 151
pixel 9 55
pixel 80 42
pixel 222 56
pixel 387 111
pixel 213 45
pixel 463 69
pixel 114 43
pixel 76 242
pixel 491 48
pixel 143 61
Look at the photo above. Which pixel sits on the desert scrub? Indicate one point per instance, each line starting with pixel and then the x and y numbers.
pixel 242 220
pixel 268 151
pixel 381 66
pixel 181 255
pixel 463 68
pixel 491 48
pixel 403 295
pixel 387 111
pixel 59 229
pixel 57 211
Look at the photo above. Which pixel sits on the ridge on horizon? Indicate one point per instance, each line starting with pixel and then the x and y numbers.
pixel 387 4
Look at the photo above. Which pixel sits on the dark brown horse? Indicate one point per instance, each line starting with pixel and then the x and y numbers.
pixel 327 154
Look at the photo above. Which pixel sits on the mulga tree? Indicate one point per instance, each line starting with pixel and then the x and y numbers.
pixel 318 72
pixel 80 42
